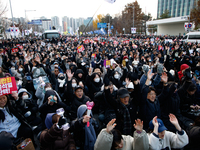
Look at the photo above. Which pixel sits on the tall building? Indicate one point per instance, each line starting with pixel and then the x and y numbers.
pixel 86 21
pixel 176 8
pixel 46 25
pixel 72 23
pixel 65 23
pixel 55 22
pixel 81 21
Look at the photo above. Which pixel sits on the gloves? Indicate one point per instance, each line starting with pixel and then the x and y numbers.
pixel 27 114
pixel 62 121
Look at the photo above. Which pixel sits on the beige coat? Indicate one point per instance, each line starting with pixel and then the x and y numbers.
pixel 104 141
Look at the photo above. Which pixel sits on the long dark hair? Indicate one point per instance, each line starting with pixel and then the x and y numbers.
pixel 8 108
pixel 117 137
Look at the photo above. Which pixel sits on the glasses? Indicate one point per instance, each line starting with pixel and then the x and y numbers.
pixel 152 94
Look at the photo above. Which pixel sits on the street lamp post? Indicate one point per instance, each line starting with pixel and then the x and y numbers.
pixel 25 16
pixel 12 17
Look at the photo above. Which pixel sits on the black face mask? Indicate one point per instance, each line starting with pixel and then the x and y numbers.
pixel 61 78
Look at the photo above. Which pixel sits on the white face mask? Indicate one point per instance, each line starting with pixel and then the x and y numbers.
pixel 116 76
pixel 150 82
pixel 97 80
pixel 44 65
pixel 48 89
pixel 20 69
pixel 56 66
pixel 25 97
pixel 126 60
pixel 74 85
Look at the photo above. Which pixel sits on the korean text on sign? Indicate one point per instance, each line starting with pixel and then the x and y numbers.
pixel 7 85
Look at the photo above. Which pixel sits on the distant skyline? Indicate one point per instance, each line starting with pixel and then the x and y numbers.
pixel 73 8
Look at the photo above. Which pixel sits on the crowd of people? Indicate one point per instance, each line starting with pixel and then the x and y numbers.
pixel 145 89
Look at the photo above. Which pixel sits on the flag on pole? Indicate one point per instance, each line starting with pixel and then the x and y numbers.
pixel 31 30
pixel 22 33
pixel 110 1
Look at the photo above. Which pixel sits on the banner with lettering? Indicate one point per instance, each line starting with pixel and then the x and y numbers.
pixel 7 85
pixel 107 63
pixel 87 41
pixel 14 50
pixel 80 49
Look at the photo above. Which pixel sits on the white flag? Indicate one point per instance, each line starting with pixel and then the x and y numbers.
pixel 110 1
pixel 31 30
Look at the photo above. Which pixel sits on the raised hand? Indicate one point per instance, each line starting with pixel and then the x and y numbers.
pixel 164 78
pixel 174 121
pixel 37 58
pixel 111 125
pixel 155 122
pixel 15 95
pixel 138 125
pixel 149 75
pixel 69 74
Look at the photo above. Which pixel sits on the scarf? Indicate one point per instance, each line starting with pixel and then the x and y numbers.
pixel 90 137
pixel 127 121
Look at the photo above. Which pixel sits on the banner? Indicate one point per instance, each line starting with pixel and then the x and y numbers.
pixel 126 42
pixel 20 47
pixel 133 30
pixel 102 43
pixel 80 49
pixel 93 55
pixel 87 41
pixel 160 47
pixel 36 81
pixel 107 63
pixel 7 85
pixel 14 50
pixel 115 42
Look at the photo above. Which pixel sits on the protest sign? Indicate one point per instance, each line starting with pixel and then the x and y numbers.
pixel 7 85
pixel 14 50
pixel 115 42
pixel 37 82
pixel 80 49
pixel 94 55
pixel 87 41
pixel 107 63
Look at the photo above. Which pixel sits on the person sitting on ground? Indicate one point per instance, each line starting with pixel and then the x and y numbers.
pixel 57 135
pixel 163 139
pixel 112 139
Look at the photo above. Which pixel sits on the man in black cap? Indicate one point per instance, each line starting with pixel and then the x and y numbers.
pixel 125 109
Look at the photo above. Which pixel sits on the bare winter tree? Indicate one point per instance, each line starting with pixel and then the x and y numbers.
pixel 3 8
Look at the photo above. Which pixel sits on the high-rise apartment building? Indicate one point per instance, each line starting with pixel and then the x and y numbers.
pixel 46 25
pixel 88 20
pixel 55 22
pixel 176 8
pixel 65 23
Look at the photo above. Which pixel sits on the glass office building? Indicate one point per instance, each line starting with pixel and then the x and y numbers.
pixel 176 8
